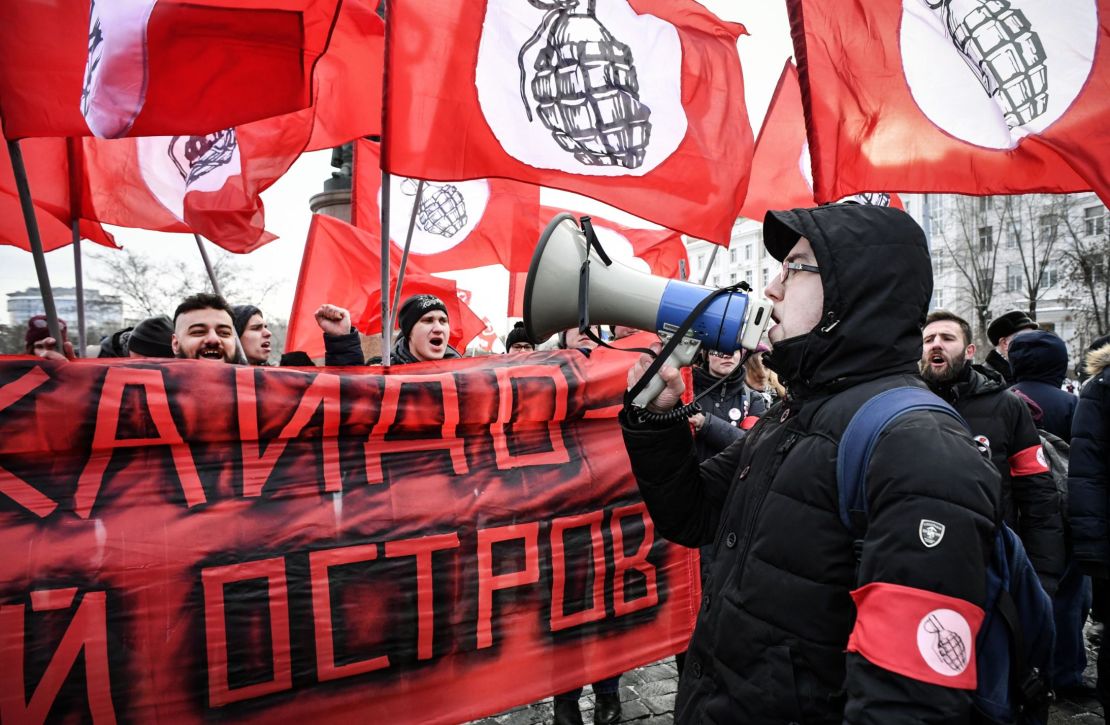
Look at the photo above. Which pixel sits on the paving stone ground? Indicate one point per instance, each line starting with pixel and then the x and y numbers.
pixel 648 694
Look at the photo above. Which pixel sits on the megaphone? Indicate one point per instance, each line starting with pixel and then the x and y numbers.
pixel 620 295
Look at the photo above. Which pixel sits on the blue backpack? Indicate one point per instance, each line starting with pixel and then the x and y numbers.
pixel 1014 646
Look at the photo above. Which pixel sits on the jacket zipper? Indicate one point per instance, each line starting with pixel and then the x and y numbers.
pixel 780 456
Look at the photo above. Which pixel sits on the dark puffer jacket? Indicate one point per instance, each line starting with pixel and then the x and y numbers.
pixel 346 351
pixel 1040 362
pixel 1030 502
pixel 1089 469
pixel 771 637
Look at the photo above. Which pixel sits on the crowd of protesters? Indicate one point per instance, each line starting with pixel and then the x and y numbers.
pixel 786 631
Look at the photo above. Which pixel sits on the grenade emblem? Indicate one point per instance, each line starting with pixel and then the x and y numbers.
pixel 442 208
pixel 948 645
pixel 96 53
pixel 999 45
pixel 195 156
pixel 585 87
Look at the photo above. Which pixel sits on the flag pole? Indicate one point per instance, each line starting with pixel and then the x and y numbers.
pixel 387 321
pixel 408 242
pixel 712 257
pixel 75 160
pixel 208 265
pixel 33 237
pixel 77 274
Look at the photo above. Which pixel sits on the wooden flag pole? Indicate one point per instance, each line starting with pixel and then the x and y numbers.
pixel 28 207
pixel 408 243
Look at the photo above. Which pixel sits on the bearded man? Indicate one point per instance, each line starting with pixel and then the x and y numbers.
pixel 204 329
pixel 1002 422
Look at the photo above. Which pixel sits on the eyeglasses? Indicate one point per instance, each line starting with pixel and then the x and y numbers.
pixel 722 355
pixel 789 267
pixel 521 346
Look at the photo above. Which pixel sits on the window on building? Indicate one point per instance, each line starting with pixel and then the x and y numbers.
pixel 1049 275
pixel 716 280
pixel 1094 220
pixel 766 277
pixel 984 203
pixel 701 261
pixel 1013 277
pixel 986 239
pixel 747 252
pixel 732 278
pixel 748 277
pixel 938 295
pixel 1012 240
pixel 1047 227
pixel 732 256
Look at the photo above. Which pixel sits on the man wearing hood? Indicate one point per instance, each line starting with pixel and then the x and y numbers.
pixel 1002 422
pixel 1039 361
pixel 425 330
pixel 1089 492
pixel 786 630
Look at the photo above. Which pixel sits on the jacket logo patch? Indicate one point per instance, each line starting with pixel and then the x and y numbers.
pixel 943 640
pixel 930 533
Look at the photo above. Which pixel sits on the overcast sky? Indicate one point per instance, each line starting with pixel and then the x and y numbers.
pixel 287 214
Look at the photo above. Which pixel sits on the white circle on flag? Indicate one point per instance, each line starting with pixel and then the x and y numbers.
pixel 1019 67
pixel 944 642
pixel 166 162
pixel 448 212
pixel 586 101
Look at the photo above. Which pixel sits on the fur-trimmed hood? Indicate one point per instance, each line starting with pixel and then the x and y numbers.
pixel 1098 359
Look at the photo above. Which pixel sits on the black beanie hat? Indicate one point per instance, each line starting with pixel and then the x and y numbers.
pixel 517 334
pixel 416 307
pixel 242 315
pixel 151 337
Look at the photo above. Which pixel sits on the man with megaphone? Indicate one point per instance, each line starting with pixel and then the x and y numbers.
pixel 795 626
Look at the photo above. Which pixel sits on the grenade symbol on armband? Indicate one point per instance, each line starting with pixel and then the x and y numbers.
pixel 949 646
pixel 442 208
pixel 999 45
pixel 585 87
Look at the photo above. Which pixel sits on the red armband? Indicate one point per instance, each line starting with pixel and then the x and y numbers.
pixel 1029 462
pixel 917 634
pixel 749 422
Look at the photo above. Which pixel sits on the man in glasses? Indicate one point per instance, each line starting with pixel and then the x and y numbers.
pixel 794 625
pixel 518 341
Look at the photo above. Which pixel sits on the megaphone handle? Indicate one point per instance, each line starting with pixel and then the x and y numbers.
pixel 680 358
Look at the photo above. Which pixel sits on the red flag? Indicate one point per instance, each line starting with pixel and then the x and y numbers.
pixel 781 169
pixel 153 67
pixel 658 251
pixel 342 266
pixel 650 119
pixel 1017 106
pixel 212 184
pixel 517 282
pixel 55 178
pixel 458 226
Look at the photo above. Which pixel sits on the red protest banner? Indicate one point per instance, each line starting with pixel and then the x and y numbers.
pixel 203 541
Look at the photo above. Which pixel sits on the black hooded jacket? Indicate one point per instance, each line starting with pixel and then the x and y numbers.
pixel 725 410
pixel 1040 362
pixel 1030 503
pixel 771 637
pixel 1089 469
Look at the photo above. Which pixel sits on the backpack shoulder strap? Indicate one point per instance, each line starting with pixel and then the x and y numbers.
pixel 859 439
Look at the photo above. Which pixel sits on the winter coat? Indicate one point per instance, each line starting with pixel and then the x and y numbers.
pixel 1000 365
pixel 1030 502
pixel 1040 362
pixel 346 351
pixel 1089 469
pixel 772 632
pixel 725 409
